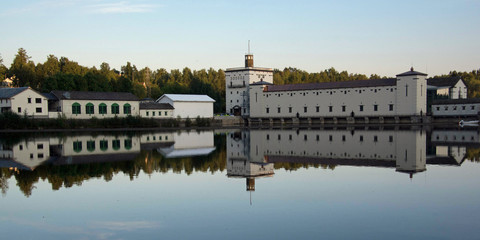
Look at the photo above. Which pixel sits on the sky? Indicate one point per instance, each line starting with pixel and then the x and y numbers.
pixel 366 37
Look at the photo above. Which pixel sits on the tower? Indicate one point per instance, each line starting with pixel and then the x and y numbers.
pixel 411 93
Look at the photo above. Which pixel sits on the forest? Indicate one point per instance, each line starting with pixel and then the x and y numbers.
pixel 65 74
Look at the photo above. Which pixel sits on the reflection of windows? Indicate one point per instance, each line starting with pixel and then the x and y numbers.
pixel 115 109
pixel 102 108
pixel 76 108
pixel 103 145
pixel 77 146
pixel 89 109
pixel 361 138
pixel 116 144
pixel 375 138
pixel 390 138
pixel 128 144
pixel 91 146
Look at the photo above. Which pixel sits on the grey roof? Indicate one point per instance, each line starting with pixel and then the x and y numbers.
pixel 6 93
pixel 78 95
pixel 411 73
pixel 443 82
pixel 154 105
pixel 333 85
pixel 187 98
pixel 261 83
pixel 455 101
pixel 49 96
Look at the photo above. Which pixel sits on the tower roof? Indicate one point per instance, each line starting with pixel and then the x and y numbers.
pixel 411 73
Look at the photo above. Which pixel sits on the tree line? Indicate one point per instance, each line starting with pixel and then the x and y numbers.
pixel 64 74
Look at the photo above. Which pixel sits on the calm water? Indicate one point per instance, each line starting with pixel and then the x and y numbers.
pixel 257 184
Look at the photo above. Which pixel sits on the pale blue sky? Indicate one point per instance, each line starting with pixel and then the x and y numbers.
pixel 383 37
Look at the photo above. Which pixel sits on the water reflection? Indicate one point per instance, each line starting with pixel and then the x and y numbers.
pixel 65 161
pixel 256 153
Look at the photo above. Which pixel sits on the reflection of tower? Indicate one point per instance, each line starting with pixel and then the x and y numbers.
pixel 411 152
pixel 251 184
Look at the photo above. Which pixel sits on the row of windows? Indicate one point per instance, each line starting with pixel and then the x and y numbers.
pixel 155 138
pixel 472 138
pixel 330 138
pixel 159 113
pixel 330 108
pixel 454 108
pixel 103 144
pixel 102 108
pixel 37 110
pixel 330 92
pixel 37 100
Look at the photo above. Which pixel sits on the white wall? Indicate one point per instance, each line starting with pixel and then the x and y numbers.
pixel 156 113
pixel 66 107
pixel 455 109
pixel 193 109
pixel 20 102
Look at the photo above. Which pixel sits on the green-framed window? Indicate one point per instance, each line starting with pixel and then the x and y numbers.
pixel 77 146
pixel 103 145
pixel 91 146
pixel 128 144
pixel 166 113
pixel 89 108
pixel 127 109
pixel 115 109
pixel 76 108
pixel 116 144
pixel 102 108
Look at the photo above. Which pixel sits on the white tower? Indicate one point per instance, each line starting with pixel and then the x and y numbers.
pixel 411 95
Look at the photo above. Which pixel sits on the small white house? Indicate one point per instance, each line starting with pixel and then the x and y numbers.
pixel 156 110
pixel 447 88
pixel 23 100
pixel 189 106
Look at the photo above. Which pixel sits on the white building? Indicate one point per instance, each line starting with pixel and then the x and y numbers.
pixel 85 105
pixel 401 96
pixel 189 106
pixel 456 107
pixel 23 100
pixel 237 82
pixel 156 110
pixel 450 88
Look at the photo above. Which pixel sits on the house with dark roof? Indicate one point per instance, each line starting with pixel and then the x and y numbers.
pixel 448 87
pixel 85 105
pixel 156 110
pixel 23 101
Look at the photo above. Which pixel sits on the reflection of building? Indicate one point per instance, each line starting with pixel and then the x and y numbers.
pixel 81 149
pixel 188 144
pixel 449 147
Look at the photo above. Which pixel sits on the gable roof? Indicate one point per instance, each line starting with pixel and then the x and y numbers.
pixel 333 85
pixel 79 95
pixel 443 82
pixel 6 93
pixel 411 73
pixel 187 98
pixel 154 105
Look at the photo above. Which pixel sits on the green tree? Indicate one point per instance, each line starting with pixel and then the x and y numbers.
pixel 23 70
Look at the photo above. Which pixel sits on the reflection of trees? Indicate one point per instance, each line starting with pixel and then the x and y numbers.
pixel 148 162
pixel 473 154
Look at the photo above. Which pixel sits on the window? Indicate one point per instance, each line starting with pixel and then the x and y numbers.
pixel 305 137
pixel 268 137
pixel 317 109
pixel 40 155
pixel 290 109
pixel 91 146
pixel 343 108
pixel 38 110
pixel 375 138
pixel 165 113
pixel 290 137
pixel 304 109
pixel 103 145
pixel 115 109
pixel 267 110
pixel 318 137
pixel 390 107
pixel 361 138
pixel 89 108
pixel 20 147
pixel 77 146
pixel 31 155
pixel 153 113
pixel 330 108
pixel 39 146
pixel 102 108
pixel 127 109
pixel 390 138
pixel 446 108
pixel 116 144
pixel 279 110
pixel 330 138
pixel 343 138
pixel 463 107
pixel 19 110
pixel 29 100
pixel 128 144
pixel 279 137
pixel 438 108
pixel 472 107
pixel 38 100
pixel 76 108
pixel 361 108
pixel 375 107
pixel 159 113
pixel 148 113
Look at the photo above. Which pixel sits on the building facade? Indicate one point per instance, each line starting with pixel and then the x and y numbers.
pixel 189 105
pixel 237 82
pixel 23 101
pixel 156 110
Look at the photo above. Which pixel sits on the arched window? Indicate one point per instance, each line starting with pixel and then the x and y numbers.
pixel 102 108
pixel 115 109
pixel 91 146
pixel 76 108
pixel 89 109
pixel 127 109
pixel 128 144
pixel 103 145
